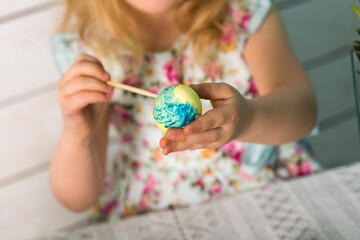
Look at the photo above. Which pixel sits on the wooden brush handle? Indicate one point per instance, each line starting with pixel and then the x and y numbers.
pixel 132 89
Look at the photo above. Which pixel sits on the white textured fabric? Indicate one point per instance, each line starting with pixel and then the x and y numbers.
pixel 323 206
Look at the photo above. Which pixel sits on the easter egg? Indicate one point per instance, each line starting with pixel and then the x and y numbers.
pixel 176 106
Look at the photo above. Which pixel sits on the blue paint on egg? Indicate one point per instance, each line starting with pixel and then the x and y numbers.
pixel 170 112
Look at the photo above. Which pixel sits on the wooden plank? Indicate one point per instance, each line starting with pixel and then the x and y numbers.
pixel 319 26
pixel 29 133
pixel 339 145
pixel 29 209
pixel 26 61
pixel 333 86
pixel 284 4
pixel 11 7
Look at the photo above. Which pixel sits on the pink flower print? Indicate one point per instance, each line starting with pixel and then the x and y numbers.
pixel 179 180
pixel 80 46
pixel 145 143
pixel 132 80
pixel 180 154
pixel 107 186
pixel 124 157
pixel 149 59
pixel 109 207
pixel 229 147
pixel 172 72
pixel 245 175
pixel 236 157
pixel 200 183
pixel 299 150
pixel 139 124
pixel 245 21
pixel 114 122
pixel 128 59
pixel 122 174
pixel 122 112
pixel 305 168
pixel 229 33
pixel 237 16
pixel 293 169
pixel 213 70
pixel 135 165
pixel 150 184
pixel 145 203
pixel 185 60
pixel 237 83
pixel 154 89
pixel 181 177
pixel 241 19
pixel 158 195
pixel 216 188
pixel 127 138
pixel 230 10
pixel 252 90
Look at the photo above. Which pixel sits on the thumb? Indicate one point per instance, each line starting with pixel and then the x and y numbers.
pixel 213 91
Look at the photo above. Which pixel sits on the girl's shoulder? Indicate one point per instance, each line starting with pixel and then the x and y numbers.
pixel 248 15
pixel 66 47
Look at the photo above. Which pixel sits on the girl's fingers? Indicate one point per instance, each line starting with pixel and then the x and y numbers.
pixel 214 91
pixel 86 68
pixel 212 119
pixel 83 83
pixel 212 137
pixel 86 57
pixel 164 142
pixel 78 101
pixel 176 134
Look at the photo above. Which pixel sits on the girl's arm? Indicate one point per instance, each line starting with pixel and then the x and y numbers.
pixel 77 169
pixel 285 111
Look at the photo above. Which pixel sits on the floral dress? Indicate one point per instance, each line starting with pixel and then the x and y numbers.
pixel 139 178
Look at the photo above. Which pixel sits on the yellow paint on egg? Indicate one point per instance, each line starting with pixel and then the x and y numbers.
pixel 176 106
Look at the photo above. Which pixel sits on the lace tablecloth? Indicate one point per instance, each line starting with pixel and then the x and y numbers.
pixel 323 206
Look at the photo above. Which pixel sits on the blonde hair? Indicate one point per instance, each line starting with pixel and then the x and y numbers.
pixel 105 25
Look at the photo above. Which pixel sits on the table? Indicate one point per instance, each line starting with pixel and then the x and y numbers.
pixel 322 206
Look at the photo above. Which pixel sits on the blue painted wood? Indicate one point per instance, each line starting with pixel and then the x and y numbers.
pixel 339 145
pixel 320 26
pixel 333 87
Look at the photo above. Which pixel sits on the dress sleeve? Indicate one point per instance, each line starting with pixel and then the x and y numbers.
pixel 66 47
pixel 258 10
pixel 247 17
pixel 248 20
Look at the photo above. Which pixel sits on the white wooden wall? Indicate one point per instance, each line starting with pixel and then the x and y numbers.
pixel 30 121
pixel 321 33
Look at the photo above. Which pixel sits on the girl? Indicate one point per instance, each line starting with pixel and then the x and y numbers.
pixel 234 53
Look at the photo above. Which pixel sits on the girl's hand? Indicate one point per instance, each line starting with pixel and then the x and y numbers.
pixel 230 116
pixel 80 88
